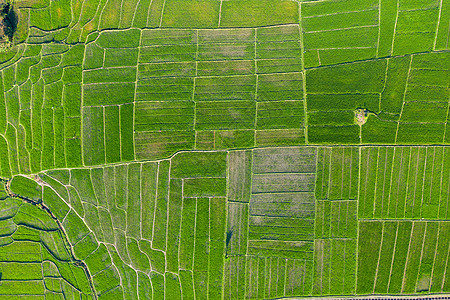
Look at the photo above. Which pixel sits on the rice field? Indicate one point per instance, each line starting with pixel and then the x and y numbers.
pixel 225 149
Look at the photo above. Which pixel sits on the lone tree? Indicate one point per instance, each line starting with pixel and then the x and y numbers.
pixel 8 22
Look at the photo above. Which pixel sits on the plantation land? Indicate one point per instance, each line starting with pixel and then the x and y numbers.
pixel 225 149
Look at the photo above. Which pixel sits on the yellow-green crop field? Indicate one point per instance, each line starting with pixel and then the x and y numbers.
pixel 224 149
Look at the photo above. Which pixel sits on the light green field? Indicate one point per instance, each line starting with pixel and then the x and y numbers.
pixel 225 149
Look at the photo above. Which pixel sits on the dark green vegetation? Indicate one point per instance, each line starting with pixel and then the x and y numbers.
pixel 208 149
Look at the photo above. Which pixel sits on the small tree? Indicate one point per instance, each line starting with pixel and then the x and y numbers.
pixel 8 23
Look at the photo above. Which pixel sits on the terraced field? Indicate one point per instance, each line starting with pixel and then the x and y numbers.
pixel 225 149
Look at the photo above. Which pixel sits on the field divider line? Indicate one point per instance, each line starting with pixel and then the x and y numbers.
pixel 390 184
pixel 350 181
pixel 445 269
pixel 407 258
pixel 256 87
pixel 384 182
pixel 100 15
pixel 168 212
pixel 154 206
pixel 379 258
pixel 404 97
pixel 181 221
pixel 366 179
pixel 104 132
pixel 250 200
pixel 421 253
pixel 448 194
pixel 329 174
pixel 437 25
pixel 135 9
pixel 285 274
pixel 384 84
pixel 209 245
pixel 345 258
pixel 432 175
pixel 330 254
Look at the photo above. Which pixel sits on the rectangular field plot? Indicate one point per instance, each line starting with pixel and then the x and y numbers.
pixel 427 92
pixel 415 29
pixel 282 204
pixel 224 115
pixel 282 86
pixel 256 277
pixel 404 182
pixel 334 33
pixel 225 88
pixel 250 13
pixel 165 89
pixel 336 219
pixel 161 115
pixel 157 144
pixel 402 257
pixel 278 49
pixel 337 173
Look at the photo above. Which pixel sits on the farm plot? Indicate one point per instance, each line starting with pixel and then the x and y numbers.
pixel 402 257
pixel 164 221
pixel 334 93
pixel 337 32
pixel 404 182
pixel 34 258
